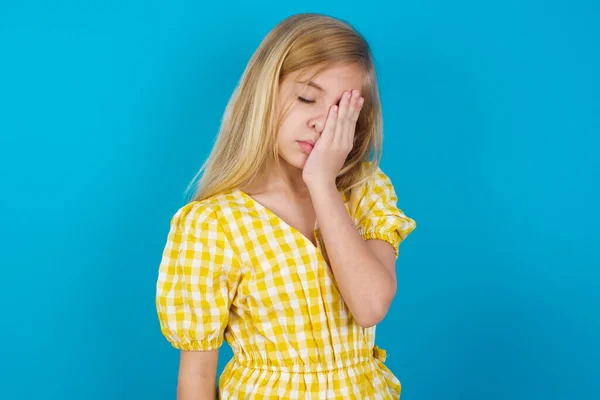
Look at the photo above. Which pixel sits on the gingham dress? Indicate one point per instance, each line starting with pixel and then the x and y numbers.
pixel 232 270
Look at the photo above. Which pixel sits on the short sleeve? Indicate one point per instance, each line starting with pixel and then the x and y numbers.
pixel 197 280
pixel 377 214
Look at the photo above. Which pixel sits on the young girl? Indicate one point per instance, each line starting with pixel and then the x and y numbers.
pixel 287 250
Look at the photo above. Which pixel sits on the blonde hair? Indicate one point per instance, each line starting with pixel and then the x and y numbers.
pixel 246 143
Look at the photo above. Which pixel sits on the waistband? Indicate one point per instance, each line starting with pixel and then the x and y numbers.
pixel 360 357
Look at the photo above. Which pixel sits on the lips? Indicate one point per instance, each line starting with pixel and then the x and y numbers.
pixel 306 146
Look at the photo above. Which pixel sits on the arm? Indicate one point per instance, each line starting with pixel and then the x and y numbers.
pixel 198 278
pixel 364 270
pixel 363 263
pixel 197 375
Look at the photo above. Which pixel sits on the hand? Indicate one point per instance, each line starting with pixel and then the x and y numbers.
pixel 337 139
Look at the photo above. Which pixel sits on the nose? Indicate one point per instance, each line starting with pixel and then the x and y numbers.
pixel 321 112
pixel 317 123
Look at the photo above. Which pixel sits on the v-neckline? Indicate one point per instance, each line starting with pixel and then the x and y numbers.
pixel 282 222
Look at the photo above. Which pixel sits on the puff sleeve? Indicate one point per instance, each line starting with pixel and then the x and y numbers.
pixel 377 215
pixel 197 280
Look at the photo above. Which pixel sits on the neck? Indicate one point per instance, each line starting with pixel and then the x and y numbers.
pixel 286 179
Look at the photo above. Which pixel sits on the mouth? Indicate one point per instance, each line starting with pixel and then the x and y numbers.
pixel 307 147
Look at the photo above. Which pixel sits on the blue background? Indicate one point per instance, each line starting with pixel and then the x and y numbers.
pixel 108 109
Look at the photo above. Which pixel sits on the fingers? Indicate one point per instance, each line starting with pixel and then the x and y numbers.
pixel 344 103
pixel 350 106
pixel 341 121
pixel 356 103
pixel 330 125
pixel 356 106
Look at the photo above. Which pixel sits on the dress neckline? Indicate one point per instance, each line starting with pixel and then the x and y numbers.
pixel 282 222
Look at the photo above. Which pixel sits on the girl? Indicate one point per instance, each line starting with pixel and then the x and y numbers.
pixel 287 250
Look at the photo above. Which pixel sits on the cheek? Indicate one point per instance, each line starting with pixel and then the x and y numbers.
pixel 291 125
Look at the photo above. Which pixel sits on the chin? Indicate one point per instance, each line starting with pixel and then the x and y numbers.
pixel 297 161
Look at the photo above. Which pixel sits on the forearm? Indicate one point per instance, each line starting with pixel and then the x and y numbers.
pixel 197 375
pixel 196 387
pixel 363 281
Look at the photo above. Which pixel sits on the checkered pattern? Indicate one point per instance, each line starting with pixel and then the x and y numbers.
pixel 232 270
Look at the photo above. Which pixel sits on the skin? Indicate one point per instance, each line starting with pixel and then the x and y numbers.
pixel 306 121
pixel 284 190
pixel 302 192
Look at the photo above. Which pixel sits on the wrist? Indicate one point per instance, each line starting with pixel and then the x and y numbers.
pixel 321 186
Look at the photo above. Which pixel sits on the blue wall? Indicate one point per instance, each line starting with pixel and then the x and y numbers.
pixel 491 112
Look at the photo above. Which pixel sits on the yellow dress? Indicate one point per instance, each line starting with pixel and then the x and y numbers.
pixel 232 270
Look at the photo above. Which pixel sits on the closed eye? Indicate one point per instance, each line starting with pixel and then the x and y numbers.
pixel 303 100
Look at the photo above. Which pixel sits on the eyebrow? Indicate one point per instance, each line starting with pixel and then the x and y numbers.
pixel 313 84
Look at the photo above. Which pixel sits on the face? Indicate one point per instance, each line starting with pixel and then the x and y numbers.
pixel 306 118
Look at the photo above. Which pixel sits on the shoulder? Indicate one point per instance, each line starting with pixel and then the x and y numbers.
pixel 373 172
pixel 374 180
pixel 192 215
pixel 210 211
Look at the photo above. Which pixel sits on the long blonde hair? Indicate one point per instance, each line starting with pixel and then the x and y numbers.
pixel 246 143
